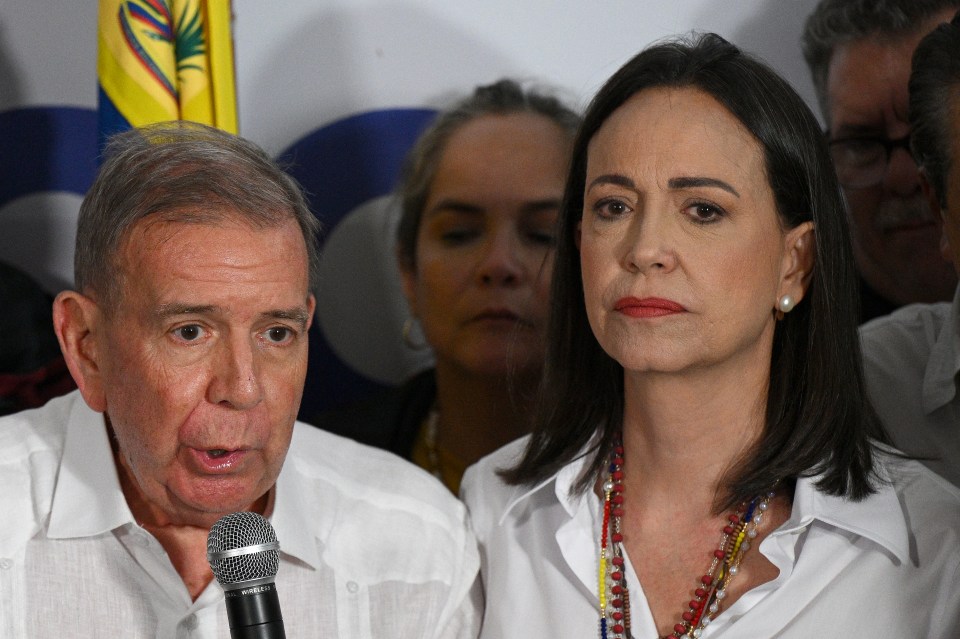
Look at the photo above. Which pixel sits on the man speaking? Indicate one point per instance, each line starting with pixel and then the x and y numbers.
pixel 187 337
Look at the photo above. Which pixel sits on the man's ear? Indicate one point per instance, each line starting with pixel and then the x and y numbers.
pixel 798 259
pixel 946 251
pixel 311 310
pixel 77 321
pixel 930 195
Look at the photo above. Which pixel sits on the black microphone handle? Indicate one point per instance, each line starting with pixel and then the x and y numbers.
pixel 254 613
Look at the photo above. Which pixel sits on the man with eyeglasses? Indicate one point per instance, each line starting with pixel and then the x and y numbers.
pixel 859 56
pixel 912 357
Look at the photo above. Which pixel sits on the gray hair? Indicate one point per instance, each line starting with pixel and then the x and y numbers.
pixel 837 22
pixel 934 96
pixel 503 97
pixel 184 172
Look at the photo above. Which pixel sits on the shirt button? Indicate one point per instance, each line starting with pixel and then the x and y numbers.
pixel 6 564
pixel 190 622
pixel 353 587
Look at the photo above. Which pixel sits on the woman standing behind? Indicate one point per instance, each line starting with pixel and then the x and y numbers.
pixel 480 193
pixel 703 421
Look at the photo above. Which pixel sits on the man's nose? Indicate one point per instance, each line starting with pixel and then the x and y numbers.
pixel 902 176
pixel 235 377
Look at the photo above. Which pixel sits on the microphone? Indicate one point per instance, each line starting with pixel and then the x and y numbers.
pixel 244 555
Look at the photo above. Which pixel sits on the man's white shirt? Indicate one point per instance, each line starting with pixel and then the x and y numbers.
pixel 370 545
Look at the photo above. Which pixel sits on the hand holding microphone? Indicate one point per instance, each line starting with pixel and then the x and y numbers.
pixel 243 552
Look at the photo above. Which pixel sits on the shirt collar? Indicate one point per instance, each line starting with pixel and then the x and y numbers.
pixel 562 481
pixel 87 500
pixel 879 518
pixel 296 531
pixel 939 378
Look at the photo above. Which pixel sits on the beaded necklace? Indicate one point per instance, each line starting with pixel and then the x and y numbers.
pixel 433 457
pixel 735 540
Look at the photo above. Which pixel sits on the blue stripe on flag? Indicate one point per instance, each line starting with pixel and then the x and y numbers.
pixel 109 120
pixel 162 28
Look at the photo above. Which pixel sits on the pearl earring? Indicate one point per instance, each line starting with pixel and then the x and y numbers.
pixel 785 304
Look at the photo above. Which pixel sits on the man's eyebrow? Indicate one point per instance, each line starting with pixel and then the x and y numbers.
pixel 854 131
pixel 176 308
pixel 296 314
pixel 693 182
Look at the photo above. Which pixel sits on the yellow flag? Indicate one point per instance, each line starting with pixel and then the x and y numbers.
pixel 161 60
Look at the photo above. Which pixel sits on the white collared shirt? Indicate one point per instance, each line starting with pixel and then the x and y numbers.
pixel 911 359
pixel 885 567
pixel 370 545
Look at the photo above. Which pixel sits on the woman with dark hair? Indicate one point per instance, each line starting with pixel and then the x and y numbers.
pixel 704 461
pixel 480 193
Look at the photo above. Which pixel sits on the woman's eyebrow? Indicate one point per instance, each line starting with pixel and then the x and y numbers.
pixel 692 182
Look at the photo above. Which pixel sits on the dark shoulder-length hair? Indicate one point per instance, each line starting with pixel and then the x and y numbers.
pixel 818 418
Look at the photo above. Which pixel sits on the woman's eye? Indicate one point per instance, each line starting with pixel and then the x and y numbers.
pixel 610 208
pixel 457 236
pixel 703 213
pixel 189 333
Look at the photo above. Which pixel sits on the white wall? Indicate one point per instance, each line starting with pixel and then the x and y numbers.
pixel 319 61
pixel 303 63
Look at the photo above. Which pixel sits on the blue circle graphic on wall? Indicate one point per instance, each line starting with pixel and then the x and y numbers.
pixel 349 168
pixel 47 162
pixel 47 149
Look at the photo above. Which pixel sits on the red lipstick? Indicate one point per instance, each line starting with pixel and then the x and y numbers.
pixel 647 307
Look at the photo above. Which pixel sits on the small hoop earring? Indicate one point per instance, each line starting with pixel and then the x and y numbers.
pixel 785 304
pixel 408 337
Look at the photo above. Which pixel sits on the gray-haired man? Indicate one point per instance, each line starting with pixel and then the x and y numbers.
pixel 912 357
pixel 859 55
pixel 187 337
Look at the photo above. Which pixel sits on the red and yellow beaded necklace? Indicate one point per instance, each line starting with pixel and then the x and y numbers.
pixel 736 539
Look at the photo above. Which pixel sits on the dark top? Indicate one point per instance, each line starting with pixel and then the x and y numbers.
pixel 32 369
pixel 390 419
pixel 872 304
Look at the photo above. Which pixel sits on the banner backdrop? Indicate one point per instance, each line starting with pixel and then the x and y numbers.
pixel 339 89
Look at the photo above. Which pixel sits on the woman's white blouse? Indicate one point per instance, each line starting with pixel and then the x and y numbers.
pixel 887 566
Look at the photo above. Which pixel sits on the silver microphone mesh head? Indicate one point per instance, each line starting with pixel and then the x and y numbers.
pixel 250 545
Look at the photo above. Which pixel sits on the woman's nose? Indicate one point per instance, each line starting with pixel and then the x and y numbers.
pixel 647 244
pixel 501 263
